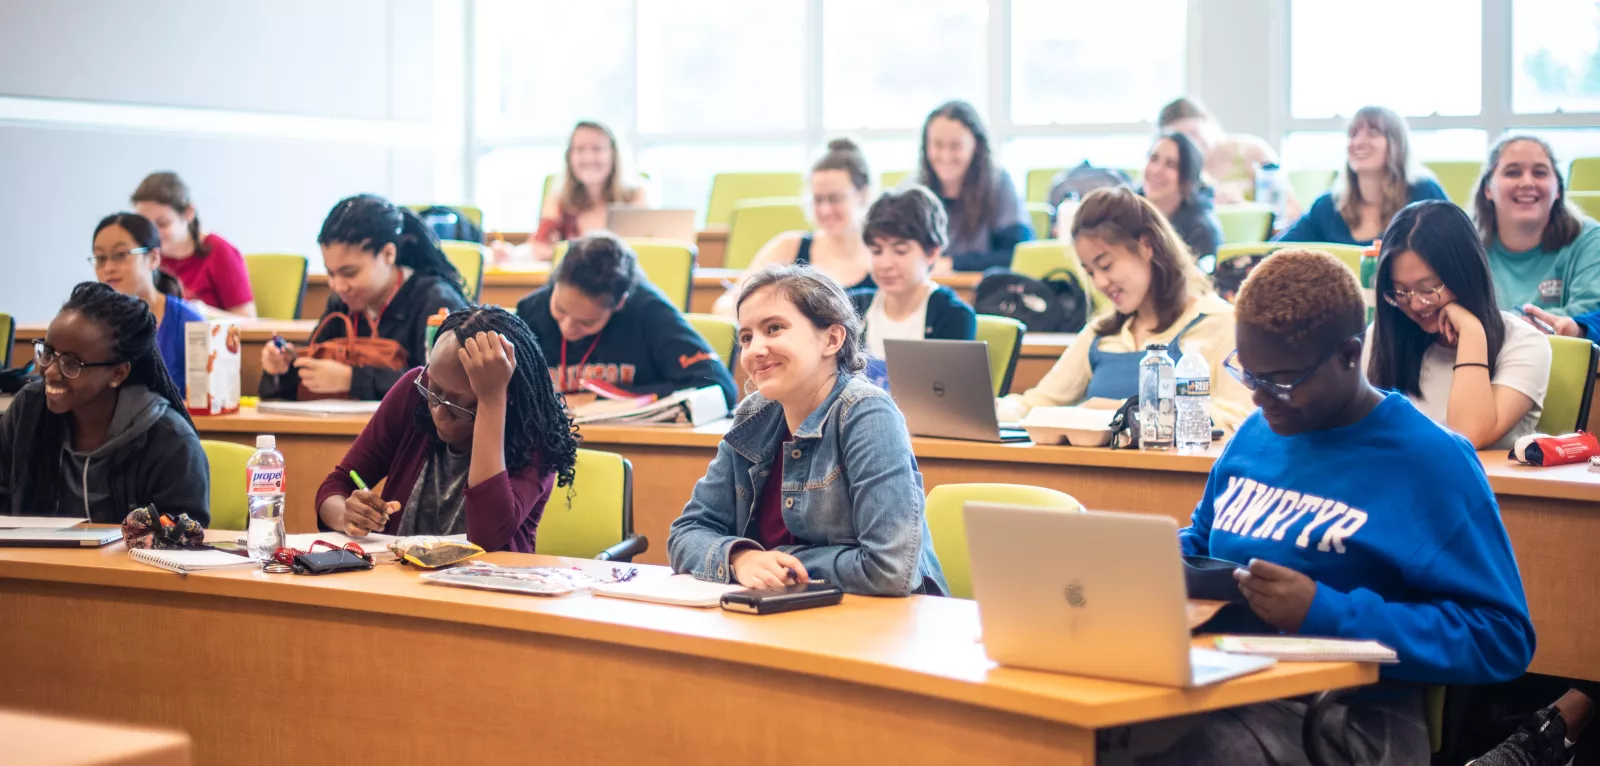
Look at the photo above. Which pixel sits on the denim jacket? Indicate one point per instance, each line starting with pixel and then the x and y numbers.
pixel 851 492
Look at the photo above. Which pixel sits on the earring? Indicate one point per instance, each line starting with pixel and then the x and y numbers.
pixel 1351 365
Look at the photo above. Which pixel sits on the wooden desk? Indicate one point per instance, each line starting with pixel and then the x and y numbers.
pixel 376 667
pixel 41 740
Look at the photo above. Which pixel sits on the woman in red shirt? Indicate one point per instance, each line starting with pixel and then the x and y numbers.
pixel 211 270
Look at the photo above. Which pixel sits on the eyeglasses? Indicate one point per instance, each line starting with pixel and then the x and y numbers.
pixel 434 400
pixel 118 258
pixel 1403 298
pixel 1280 391
pixel 71 366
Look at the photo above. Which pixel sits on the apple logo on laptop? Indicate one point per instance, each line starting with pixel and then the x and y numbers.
pixel 1075 597
pixel 938 389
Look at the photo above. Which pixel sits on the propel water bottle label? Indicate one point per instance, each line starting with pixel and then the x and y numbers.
pixel 264 481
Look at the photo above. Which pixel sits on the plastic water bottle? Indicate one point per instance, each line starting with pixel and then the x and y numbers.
pixel 1269 189
pixel 264 493
pixel 1369 277
pixel 1193 402
pixel 1157 389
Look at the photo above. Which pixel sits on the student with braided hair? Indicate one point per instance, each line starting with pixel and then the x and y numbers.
pixel 1352 515
pixel 105 431
pixel 472 443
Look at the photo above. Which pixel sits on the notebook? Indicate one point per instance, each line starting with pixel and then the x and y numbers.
pixel 677 590
pixel 92 537
pixel 1297 649
pixel 324 408
pixel 188 561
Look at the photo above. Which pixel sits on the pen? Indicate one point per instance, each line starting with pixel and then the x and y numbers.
pixel 1539 323
pixel 361 485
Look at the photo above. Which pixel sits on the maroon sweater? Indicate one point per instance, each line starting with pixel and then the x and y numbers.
pixel 502 513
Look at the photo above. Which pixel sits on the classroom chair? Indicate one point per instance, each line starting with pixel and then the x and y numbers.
pixel 949 529
pixel 729 189
pixel 469 259
pixel 754 222
pixel 544 193
pixel 1037 185
pixel 1039 219
pixel 1566 399
pixel 1349 255
pixel 1243 223
pixel 891 179
pixel 1587 201
pixel 229 507
pixel 278 282
pixel 1584 174
pixel 1003 335
pixel 599 515
pixel 473 214
pixel 1308 185
pixel 1457 178
pixel 1135 175
pixel 8 333
pixel 1041 256
pixel 669 265
pixel 720 333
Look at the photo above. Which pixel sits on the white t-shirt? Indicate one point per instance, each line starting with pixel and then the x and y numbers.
pixel 880 326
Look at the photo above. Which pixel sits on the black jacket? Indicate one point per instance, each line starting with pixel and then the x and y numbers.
pixel 404 321
pixel 647 347
pixel 949 317
pixel 151 455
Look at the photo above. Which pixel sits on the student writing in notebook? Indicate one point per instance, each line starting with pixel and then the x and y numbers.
pixel 105 430
pixel 1352 515
pixel 213 272
pixel 127 256
pixel 815 479
pixel 470 444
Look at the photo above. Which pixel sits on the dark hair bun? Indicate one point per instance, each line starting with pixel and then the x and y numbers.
pixel 843 145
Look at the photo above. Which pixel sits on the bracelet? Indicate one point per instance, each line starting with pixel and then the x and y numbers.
pixel 1471 364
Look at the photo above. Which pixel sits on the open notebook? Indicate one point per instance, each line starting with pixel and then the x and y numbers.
pixel 187 561
pixel 677 590
pixel 323 408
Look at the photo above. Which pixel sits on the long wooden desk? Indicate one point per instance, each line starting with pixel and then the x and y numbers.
pixel 377 667
pixel 41 740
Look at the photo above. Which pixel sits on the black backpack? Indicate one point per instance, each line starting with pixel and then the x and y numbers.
pixel 450 223
pixel 1056 303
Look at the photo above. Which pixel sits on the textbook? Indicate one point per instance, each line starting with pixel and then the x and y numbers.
pixel 691 406
pixel 189 561
pixel 1297 649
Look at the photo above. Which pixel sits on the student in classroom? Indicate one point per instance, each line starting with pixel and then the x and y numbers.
pixel 815 480
pixel 1230 159
pixel 1440 338
pixel 987 218
pixel 388 277
pixel 593 181
pixel 212 271
pixel 1172 181
pixel 1380 177
pixel 105 431
pixel 472 443
pixel 841 189
pixel 606 323
pixel 1351 515
pixel 1158 295
pixel 1543 252
pixel 127 256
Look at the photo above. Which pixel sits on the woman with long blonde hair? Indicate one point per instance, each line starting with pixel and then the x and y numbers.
pixel 593 181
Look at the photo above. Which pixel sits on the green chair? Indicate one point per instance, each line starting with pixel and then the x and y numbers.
pixel 1308 185
pixel 949 530
pixel 469 259
pixel 891 179
pixel 1037 184
pixel 1584 174
pixel 1243 223
pixel 754 222
pixel 1041 256
pixel 1457 178
pixel 278 282
pixel 473 214
pixel 8 333
pixel 1135 175
pixel 719 332
pixel 1349 255
pixel 550 184
pixel 599 516
pixel 669 265
pixel 229 508
pixel 1572 371
pixel 729 189
pixel 1039 217
pixel 1588 202
pixel 1003 335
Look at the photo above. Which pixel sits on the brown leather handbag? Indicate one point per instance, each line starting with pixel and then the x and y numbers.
pixel 351 350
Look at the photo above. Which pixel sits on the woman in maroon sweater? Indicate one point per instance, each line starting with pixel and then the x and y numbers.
pixel 472 443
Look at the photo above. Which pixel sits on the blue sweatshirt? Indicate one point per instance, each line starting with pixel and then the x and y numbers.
pixel 1394 520
pixel 170 340
pixel 1322 222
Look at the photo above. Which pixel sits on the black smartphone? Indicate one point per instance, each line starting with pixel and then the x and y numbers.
pixel 786 599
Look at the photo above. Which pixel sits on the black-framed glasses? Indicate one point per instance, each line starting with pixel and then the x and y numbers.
pixel 434 400
pixel 71 366
pixel 98 261
pixel 1402 298
pixel 1280 391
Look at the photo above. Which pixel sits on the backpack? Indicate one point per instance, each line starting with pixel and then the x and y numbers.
pixel 450 223
pixel 1077 182
pixel 1056 303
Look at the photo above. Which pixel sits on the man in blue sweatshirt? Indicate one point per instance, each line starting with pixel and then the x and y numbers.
pixel 1353 516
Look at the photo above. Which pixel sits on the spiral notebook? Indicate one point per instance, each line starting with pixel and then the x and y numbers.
pixel 189 561
pixel 1297 649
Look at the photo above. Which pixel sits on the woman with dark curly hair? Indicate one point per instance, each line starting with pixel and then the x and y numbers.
pixel 473 443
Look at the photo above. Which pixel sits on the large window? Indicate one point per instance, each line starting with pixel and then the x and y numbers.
pixel 704 66
pixel 1068 67
pixel 1348 54
pixel 886 64
pixel 1555 56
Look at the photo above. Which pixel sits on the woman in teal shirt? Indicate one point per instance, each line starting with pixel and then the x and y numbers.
pixel 1541 251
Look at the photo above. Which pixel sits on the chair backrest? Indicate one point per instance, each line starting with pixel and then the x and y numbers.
pixel 949 529
pixel 754 222
pixel 1457 179
pixel 278 282
pixel 1036 186
pixel 1041 256
pixel 549 187
pixel 1004 337
pixel 1039 217
pixel 229 507
pixel 1584 174
pixel 891 179
pixel 601 514
pixel 1587 201
pixel 1349 255
pixel 1309 184
pixel 1566 399
pixel 729 189
pixel 719 332
pixel 669 265
pixel 8 334
pixel 468 258
pixel 1243 223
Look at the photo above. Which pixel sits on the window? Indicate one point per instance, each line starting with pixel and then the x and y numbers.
pixel 527 83
pixel 1568 144
pixel 1304 150
pixel 685 171
pixel 1555 56
pixel 704 67
pixel 1126 152
pixel 1066 67
pixel 887 63
pixel 511 184
pixel 1349 54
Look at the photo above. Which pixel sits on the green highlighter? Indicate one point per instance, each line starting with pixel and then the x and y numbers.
pixel 361 485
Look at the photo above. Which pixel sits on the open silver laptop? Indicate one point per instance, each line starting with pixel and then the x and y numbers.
pixel 1092 594
pixel 944 390
pixel 639 222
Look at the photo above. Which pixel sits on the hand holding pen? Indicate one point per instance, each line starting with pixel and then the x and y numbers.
pixel 364 511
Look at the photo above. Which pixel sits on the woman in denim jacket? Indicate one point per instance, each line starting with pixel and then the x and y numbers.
pixel 848 508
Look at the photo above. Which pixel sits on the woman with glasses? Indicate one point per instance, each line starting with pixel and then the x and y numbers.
pixel 1440 338
pixel 105 431
pixel 127 256
pixel 471 444
pixel 1351 515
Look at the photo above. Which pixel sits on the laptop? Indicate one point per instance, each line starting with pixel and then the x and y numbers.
pixel 639 222
pixel 1091 594
pixel 944 390
pixel 86 537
